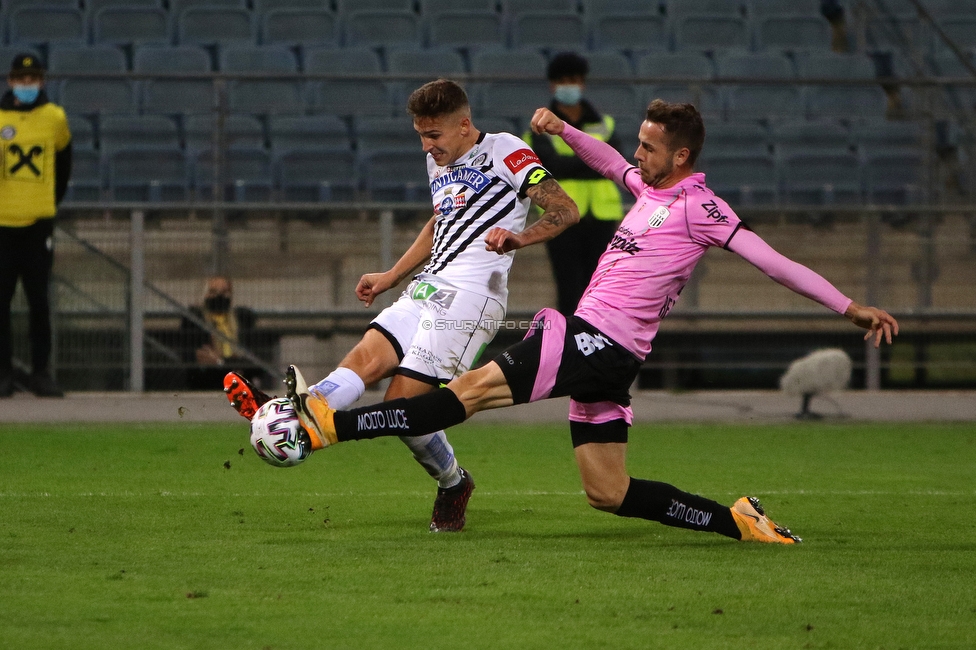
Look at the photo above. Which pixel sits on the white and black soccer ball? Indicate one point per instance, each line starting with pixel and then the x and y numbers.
pixel 277 436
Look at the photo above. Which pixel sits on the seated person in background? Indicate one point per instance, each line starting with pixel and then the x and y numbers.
pixel 211 354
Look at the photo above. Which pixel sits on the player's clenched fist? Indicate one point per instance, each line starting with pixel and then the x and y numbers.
pixel 545 121
pixel 370 286
pixel 502 241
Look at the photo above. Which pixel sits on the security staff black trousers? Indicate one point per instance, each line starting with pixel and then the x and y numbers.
pixel 27 254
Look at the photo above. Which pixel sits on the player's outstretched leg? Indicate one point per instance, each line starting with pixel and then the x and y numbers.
pixel 451 504
pixel 755 526
pixel 245 398
pixel 313 411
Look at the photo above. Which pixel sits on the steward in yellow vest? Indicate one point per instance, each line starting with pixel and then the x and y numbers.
pixel 575 252
pixel 35 152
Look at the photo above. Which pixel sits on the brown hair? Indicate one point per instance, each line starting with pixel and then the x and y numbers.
pixel 437 98
pixel 683 124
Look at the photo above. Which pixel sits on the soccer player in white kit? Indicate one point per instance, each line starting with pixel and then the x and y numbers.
pixel 595 355
pixel 451 310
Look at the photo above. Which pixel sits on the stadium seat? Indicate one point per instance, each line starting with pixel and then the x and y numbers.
pixel 759 101
pixel 382 29
pixel 710 33
pixel 241 132
pixel 764 8
pixel 308 132
pixel 148 175
pixel 896 33
pixel 515 7
pixel 87 178
pixel 741 178
pixel 631 32
pixel 94 6
pixel 46 25
pixel 823 136
pixel 11 5
pixel 958 96
pixel 734 8
pixel 469 30
pixel 346 97
pixel 316 175
pixel 879 135
pixel 88 96
pixel 299 27
pixel 614 98
pixel 608 64
pixel 247 175
pixel 82 132
pixel 395 175
pixel 386 133
pixel 263 96
pixel 511 99
pixel 215 26
pixel 744 138
pixel 174 96
pixel 960 30
pixel 548 30
pixel 262 6
pixel 179 6
pixel 594 9
pixel 350 6
pixel 432 8
pixel 868 100
pixel 895 177
pixel 821 178
pixel 423 64
pixel 793 33
pixel 131 26
pixel 144 132
pixel 680 65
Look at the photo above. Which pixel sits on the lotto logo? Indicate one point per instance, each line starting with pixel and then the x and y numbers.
pixel 588 344
pixel 520 159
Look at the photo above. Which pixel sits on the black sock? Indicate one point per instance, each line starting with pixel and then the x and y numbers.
pixel 672 507
pixel 414 416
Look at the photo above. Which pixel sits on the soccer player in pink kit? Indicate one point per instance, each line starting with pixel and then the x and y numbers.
pixel 594 356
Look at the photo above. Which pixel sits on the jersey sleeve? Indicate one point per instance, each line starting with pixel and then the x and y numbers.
pixel 710 219
pixel 518 165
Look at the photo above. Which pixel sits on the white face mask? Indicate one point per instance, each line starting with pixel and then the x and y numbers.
pixel 568 94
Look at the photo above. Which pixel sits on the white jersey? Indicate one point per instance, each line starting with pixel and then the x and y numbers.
pixel 485 188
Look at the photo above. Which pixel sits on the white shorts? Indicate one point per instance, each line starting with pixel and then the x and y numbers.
pixel 438 330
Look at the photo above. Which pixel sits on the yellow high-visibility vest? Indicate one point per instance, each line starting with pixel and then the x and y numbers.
pixel 29 141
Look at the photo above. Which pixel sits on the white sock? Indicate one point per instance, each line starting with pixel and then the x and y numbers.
pixel 436 455
pixel 342 388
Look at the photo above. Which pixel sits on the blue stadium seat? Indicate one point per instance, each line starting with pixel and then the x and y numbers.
pixel 867 100
pixel 87 176
pixel 179 6
pixel 742 138
pixel 793 33
pixel 94 6
pixel 764 8
pixel 759 101
pixel 424 64
pixel 594 9
pixel 395 175
pixel 548 30
pixel 706 98
pixel 615 98
pixel 470 30
pixel 386 133
pixel 353 96
pixel 735 8
pixel 819 136
pixel 241 132
pixel 896 177
pixel 47 25
pixel 896 33
pixel 143 132
pixel 710 33
pixel 174 96
pixel 435 7
pixel 515 7
pixel 299 27
pixel 262 6
pixel 131 26
pixel 821 178
pixel 741 178
pixel 88 96
pixel 11 5
pixel 263 96
pixel 82 132
pixel 631 32
pixel 382 29
pixel 148 175
pixel 511 99
pixel 308 132
pixel 247 175
pixel 317 175
pixel 350 6
pixel 220 26
pixel 880 135
pixel 608 64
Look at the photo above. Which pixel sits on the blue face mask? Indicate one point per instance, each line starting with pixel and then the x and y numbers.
pixel 27 94
pixel 568 94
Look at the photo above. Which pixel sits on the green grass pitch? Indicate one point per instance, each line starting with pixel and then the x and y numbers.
pixel 162 536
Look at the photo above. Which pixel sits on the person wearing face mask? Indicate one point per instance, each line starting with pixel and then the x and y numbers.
pixel 574 253
pixel 36 156
pixel 212 352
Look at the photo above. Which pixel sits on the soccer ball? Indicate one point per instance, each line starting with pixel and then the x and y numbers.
pixel 277 436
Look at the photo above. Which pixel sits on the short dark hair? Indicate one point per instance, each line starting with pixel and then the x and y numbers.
pixel 683 124
pixel 566 65
pixel 437 98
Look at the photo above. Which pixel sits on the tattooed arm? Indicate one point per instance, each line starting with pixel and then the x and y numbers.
pixel 559 213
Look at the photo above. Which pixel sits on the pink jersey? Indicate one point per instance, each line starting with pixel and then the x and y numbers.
pixel 650 258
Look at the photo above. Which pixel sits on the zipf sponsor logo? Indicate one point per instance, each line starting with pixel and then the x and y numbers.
pixel 682 512
pixel 588 344
pixel 520 159
pixel 386 419
pixel 624 244
pixel 712 211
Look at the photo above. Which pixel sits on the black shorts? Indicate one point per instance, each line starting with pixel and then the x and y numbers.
pixel 562 357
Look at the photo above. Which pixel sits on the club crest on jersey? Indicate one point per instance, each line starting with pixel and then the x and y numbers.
pixel 462 175
pixel 520 159
pixel 656 220
pixel 480 160
pixel 8 132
